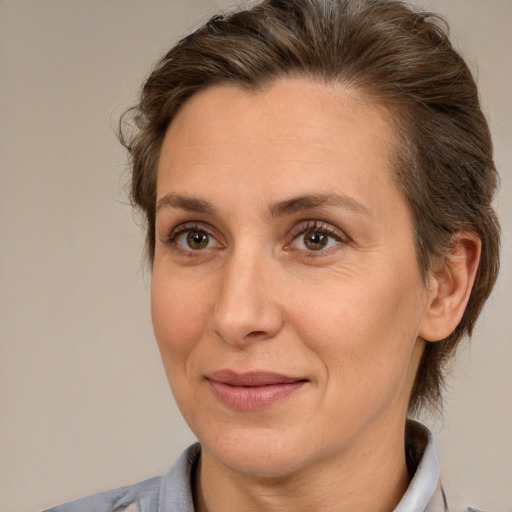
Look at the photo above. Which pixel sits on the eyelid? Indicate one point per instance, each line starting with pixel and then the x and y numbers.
pixel 298 229
pixel 319 226
pixel 179 229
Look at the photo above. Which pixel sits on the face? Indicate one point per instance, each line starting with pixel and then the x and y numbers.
pixel 286 297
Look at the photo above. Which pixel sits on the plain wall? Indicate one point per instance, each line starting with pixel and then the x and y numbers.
pixel 84 402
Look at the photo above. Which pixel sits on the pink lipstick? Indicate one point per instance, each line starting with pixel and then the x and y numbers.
pixel 252 391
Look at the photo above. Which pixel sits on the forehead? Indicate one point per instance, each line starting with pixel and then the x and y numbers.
pixel 296 133
pixel 291 104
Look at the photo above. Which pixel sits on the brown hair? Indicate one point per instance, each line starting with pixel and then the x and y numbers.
pixel 397 57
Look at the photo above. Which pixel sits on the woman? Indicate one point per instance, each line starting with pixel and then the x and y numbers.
pixel 317 179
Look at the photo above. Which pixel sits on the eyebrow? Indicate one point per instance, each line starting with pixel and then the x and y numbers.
pixel 186 203
pixel 311 201
pixel 278 209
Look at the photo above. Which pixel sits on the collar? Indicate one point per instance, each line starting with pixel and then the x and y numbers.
pixel 424 493
pixel 176 487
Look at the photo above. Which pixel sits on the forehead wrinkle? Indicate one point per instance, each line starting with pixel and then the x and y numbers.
pixel 186 203
pixel 311 201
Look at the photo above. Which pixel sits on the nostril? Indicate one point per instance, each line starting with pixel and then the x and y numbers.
pixel 255 334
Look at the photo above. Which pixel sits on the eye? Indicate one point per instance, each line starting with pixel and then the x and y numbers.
pixel 313 236
pixel 315 241
pixel 193 239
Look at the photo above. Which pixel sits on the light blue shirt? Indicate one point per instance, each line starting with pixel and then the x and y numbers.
pixel 173 491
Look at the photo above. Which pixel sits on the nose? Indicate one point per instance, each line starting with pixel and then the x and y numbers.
pixel 246 308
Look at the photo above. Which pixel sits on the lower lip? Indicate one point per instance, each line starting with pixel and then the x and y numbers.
pixel 252 398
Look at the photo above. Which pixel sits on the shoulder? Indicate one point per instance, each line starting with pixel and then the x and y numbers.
pixel 458 504
pixel 132 498
pixel 169 493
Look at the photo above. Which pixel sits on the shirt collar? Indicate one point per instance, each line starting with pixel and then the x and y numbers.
pixel 424 493
pixel 176 486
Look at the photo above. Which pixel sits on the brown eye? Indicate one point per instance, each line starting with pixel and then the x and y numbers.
pixel 315 241
pixel 193 239
pixel 197 240
pixel 316 238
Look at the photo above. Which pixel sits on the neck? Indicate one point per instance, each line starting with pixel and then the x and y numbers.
pixel 371 477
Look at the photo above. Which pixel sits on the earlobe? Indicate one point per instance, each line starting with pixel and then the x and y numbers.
pixel 450 287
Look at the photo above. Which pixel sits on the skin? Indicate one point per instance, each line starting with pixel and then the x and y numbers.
pixel 349 318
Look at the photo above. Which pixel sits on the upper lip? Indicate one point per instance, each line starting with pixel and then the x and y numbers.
pixel 256 378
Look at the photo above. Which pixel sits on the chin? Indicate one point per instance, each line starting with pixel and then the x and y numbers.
pixel 259 454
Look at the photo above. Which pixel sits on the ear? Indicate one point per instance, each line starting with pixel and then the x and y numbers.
pixel 450 286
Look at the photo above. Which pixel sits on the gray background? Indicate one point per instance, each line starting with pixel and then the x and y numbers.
pixel 84 402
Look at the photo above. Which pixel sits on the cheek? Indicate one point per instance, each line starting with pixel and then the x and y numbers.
pixel 363 329
pixel 179 313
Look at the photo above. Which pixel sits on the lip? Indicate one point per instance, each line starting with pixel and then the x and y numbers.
pixel 253 390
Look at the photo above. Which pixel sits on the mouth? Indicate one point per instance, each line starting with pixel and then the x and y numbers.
pixel 253 390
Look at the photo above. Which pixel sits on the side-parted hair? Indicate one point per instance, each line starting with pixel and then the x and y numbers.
pixel 398 58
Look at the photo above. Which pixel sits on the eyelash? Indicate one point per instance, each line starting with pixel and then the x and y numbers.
pixel 302 228
pixel 185 228
pixel 318 227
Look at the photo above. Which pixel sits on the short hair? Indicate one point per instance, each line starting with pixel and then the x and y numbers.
pixel 399 58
